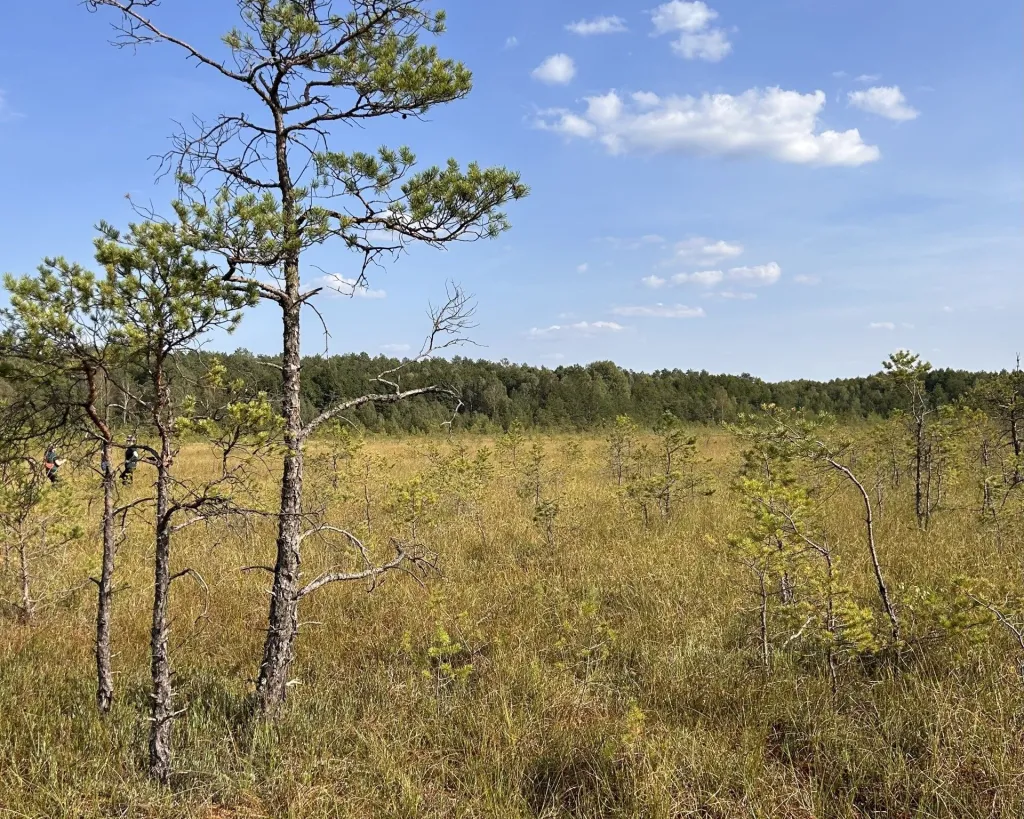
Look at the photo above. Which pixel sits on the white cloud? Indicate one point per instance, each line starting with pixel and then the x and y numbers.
pixel 582 268
pixel 676 311
pixel 395 348
pixel 774 123
pixel 682 15
pixel 885 101
pixel 738 296
pixel 806 280
pixel 947 309
pixel 654 282
pixel 335 285
pixel 558 69
pixel 646 99
pixel 580 327
pixel 619 243
pixel 692 19
pixel 7 114
pixel 707 278
pixel 882 325
pixel 838 74
pixel 757 274
pixel 599 25
pixel 511 42
pixel 569 125
pixel 712 46
pixel 869 78
pixel 707 250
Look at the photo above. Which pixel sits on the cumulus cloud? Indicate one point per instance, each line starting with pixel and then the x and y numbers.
pixel 558 69
pixel 882 325
pixel 778 124
pixel 675 311
pixel 581 328
pixel 806 280
pixel 599 25
pixel 654 282
pixel 336 285
pixel 884 101
pixel 691 21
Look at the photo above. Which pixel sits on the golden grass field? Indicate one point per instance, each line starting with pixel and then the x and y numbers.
pixel 607 671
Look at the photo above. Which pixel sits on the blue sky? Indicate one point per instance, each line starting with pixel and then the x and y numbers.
pixel 791 188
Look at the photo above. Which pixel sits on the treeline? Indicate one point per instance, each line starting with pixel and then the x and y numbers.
pixel 494 394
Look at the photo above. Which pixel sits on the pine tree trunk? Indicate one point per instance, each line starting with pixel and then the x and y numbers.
pixel 104 675
pixel 162 705
pixel 283 624
pixel 25 582
pixel 918 472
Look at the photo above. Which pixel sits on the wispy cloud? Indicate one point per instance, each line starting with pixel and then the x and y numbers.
pixel 7 113
pixel 395 348
pixel 511 42
pixel 336 285
pixel 707 278
pixel 585 328
pixel 735 295
pixel 882 325
pixel 706 251
pixel 674 311
pixel 752 275
pixel 582 268
pixel 807 281
pixel 649 240
pixel 598 25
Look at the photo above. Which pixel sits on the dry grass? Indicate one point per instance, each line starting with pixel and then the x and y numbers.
pixel 612 674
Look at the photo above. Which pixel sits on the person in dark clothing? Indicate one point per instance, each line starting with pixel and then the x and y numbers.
pixel 131 460
pixel 51 463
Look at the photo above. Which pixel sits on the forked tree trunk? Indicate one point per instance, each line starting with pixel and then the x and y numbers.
pixel 283 622
pixel 104 674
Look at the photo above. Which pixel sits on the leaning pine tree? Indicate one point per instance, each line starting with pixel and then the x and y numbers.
pixel 260 188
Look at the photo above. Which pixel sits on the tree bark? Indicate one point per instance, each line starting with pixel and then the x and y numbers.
pixel 24 581
pixel 283 621
pixel 104 674
pixel 162 705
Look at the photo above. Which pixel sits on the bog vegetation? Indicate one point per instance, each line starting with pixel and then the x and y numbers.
pixel 659 622
pixel 224 593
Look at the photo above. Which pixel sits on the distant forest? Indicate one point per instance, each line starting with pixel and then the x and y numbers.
pixel 494 394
